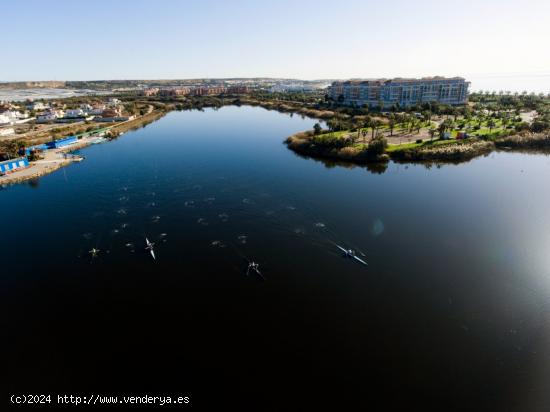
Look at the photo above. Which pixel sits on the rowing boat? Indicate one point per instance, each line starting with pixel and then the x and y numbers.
pixel 149 247
pixel 350 253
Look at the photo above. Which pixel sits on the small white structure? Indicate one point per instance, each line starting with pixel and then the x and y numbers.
pixel 46 117
pixel 97 109
pixel 12 117
pixel 86 108
pixel 291 87
pixel 36 106
pixel 72 113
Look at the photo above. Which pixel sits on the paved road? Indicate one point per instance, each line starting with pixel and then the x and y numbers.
pixel 528 116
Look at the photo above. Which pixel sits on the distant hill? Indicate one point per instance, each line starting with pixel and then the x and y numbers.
pixel 32 85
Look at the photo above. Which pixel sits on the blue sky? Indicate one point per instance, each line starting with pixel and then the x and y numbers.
pixel 491 41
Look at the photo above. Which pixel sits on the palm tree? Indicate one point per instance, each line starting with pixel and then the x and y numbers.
pixel 445 124
pixel 333 125
pixel 505 120
pixel 375 125
pixel 411 120
pixel 491 124
pixel 427 116
pixel 391 123
pixel 455 113
pixel 366 125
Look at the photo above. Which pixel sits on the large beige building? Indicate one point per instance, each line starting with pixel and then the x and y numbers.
pixel 386 93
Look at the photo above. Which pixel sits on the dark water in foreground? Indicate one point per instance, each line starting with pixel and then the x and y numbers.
pixel 452 312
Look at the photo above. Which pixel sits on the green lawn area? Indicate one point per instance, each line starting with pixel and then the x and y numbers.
pixel 468 127
pixel 405 146
pixel 484 129
pixel 341 133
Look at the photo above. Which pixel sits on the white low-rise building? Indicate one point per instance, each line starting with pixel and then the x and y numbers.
pixel 86 108
pixel 72 113
pixel 37 106
pixel 12 117
pixel 46 117
pixel 97 109
pixel 291 87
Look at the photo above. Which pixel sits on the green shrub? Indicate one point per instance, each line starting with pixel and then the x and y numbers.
pixel 317 128
pixel 539 126
pixel 522 126
pixel 377 146
pixel 332 141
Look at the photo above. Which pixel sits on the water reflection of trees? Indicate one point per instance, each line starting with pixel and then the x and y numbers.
pixel 381 167
pixel 374 167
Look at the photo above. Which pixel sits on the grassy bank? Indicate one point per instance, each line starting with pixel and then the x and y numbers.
pixel 525 141
pixel 336 148
pixel 339 146
pixel 203 102
pixel 444 151
pixel 141 121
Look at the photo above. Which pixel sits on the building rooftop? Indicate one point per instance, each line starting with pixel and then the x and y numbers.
pixel 11 160
pixel 380 82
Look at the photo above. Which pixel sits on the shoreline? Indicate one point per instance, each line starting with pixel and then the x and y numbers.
pixel 436 151
pixel 53 159
pixel 302 143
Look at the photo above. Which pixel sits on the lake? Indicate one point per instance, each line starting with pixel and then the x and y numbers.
pixel 452 311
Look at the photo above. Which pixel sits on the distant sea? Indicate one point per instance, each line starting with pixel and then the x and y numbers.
pixel 40 93
pixel 531 83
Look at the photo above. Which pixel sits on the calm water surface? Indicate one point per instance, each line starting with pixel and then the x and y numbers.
pixel 452 312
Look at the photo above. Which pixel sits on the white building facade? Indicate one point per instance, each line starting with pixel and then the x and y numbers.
pixel 13 117
pixel 73 113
